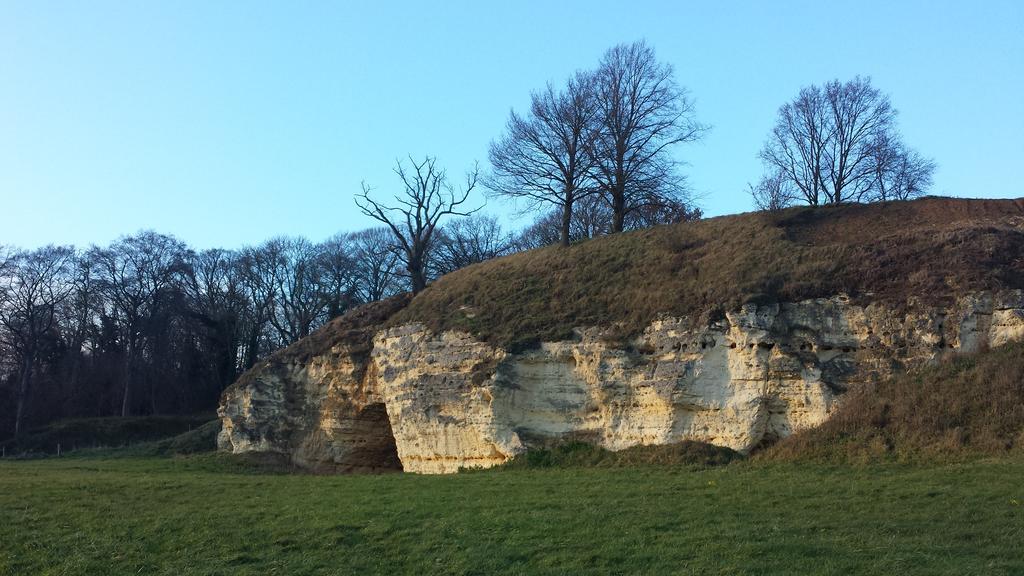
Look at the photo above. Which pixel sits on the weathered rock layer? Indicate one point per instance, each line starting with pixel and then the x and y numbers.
pixel 405 398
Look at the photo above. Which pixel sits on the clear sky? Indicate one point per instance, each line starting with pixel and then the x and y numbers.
pixel 227 122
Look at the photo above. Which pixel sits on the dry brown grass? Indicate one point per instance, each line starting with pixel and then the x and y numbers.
pixel 966 406
pixel 933 249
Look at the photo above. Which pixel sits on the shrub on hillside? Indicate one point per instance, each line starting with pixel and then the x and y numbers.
pixel 583 455
pixel 967 406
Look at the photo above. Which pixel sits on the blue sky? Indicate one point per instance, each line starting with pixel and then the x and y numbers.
pixel 226 123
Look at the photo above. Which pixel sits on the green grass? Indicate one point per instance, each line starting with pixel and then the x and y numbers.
pixel 210 514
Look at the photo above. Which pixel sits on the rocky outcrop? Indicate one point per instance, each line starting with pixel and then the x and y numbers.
pixel 408 398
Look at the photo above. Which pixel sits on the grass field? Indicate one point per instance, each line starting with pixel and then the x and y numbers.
pixel 208 514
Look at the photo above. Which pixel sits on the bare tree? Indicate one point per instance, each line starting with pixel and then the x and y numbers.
pixel 377 262
pixel 544 231
pixel 259 274
pixel 6 258
pixel 80 314
pixel 338 275
pixel 543 156
pixel 861 114
pixel 641 115
pixel 34 286
pixel 592 218
pixel 899 173
pixel 839 144
pixel 288 274
pixel 426 198
pixel 140 278
pixel 468 241
pixel 666 211
pixel 216 301
pixel 798 143
pixel 774 192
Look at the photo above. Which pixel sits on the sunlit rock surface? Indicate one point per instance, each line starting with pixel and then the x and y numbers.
pixel 408 399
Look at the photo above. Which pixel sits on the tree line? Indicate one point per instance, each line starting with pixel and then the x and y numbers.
pixel 148 325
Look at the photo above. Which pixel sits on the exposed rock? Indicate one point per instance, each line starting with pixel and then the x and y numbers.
pixel 433 403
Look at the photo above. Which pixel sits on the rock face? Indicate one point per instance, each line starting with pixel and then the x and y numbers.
pixel 404 398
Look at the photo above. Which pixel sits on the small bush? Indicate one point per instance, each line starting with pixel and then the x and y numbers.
pixel 584 455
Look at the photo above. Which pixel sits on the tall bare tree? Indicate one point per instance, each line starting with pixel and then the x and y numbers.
pixel 861 115
pixel 31 291
pixel 140 277
pixel 339 278
pixel 798 144
pixel 641 115
pixel 300 302
pixel 543 156
pixel 839 144
pixel 426 198
pixel 261 269
pixel 216 300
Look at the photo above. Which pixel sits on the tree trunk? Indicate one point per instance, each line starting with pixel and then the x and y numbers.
pixel 127 397
pixel 618 210
pixel 152 393
pixel 23 388
pixel 419 282
pixel 566 223
pixel 417 275
pixel 252 352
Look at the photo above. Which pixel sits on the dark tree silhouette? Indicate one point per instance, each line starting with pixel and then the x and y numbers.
pixel 301 304
pixel 900 173
pixel 33 285
pixel 377 261
pixel 592 218
pixel 140 277
pixel 426 198
pixel 543 156
pixel 469 241
pixel 259 269
pixel 641 115
pixel 146 325
pixel 839 144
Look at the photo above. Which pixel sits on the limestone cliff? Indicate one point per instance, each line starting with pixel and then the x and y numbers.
pixel 362 395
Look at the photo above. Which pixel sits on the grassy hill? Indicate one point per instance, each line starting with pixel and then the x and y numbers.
pixel 971 406
pixel 109 432
pixel 933 249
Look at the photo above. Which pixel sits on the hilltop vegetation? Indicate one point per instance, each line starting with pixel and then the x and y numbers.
pixel 931 250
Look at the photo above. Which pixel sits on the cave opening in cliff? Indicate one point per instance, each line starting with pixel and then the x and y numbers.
pixel 376 449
